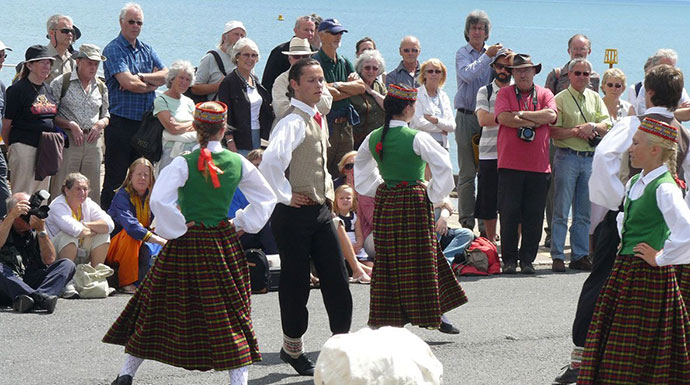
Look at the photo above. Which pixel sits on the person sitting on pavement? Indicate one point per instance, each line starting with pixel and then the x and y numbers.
pixel 78 227
pixel 453 241
pixel 30 277
pixel 130 250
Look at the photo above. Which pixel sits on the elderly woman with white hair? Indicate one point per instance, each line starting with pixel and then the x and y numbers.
pixel 175 112
pixel 369 105
pixel 250 114
pixel 434 113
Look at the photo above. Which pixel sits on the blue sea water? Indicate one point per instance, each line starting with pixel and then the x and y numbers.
pixel 179 29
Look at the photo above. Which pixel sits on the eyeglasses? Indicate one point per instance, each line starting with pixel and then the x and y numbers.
pixel 408 50
pixel 499 66
pixel 250 55
pixel 581 73
pixel 298 57
pixel 137 22
pixel 371 68
pixel 3 55
pixel 336 33
pixel 66 31
pixel 434 71
pixel 617 85
pixel 349 166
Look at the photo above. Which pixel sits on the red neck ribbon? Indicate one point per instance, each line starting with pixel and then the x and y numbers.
pixel 205 160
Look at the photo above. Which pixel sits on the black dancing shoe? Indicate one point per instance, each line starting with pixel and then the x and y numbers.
pixel 22 303
pixel 567 376
pixel 302 364
pixel 123 380
pixel 448 328
pixel 44 301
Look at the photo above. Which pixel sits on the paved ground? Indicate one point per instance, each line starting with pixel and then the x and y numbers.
pixel 515 330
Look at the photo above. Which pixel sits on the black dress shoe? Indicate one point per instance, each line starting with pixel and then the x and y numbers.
pixel 123 380
pixel 302 364
pixel 22 303
pixel 448 328
pixel 510 268
pixel 567 376
pixel 526 268
pixel 45 302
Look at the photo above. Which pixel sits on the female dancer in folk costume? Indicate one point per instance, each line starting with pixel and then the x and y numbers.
pixel 192 309
pixel 412 281
pixel 640 328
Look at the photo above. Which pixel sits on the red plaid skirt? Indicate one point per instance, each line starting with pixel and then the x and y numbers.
pixel 193 308
pixel 639 328
pixel 412 281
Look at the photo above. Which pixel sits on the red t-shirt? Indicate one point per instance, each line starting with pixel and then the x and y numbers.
pixel 513 152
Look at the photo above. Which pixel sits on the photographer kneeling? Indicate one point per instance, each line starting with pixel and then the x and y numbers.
pixel 78 227
pixel 29 274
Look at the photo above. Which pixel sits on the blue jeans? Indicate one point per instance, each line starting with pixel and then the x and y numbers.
pixel 571 186
pixel 460 239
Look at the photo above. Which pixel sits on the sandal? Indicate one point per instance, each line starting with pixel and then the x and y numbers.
pixel 129 289
pixel 363 279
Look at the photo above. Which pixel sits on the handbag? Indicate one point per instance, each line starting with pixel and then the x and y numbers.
pixel 148 140
pixel 91 282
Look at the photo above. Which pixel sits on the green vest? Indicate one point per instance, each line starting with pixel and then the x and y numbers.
pixel 199 201
pixel 400 163
pixel 643 221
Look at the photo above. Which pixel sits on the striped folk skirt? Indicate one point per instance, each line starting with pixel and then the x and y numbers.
pixel 412 281
pixel 193 308
pixel 638 331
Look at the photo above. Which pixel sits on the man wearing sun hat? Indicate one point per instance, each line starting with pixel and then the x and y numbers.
pixel 298 49
pixel 209 74
pixel 83 115
pixel 524 112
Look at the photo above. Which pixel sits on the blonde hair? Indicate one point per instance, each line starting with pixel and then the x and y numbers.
pixel 436 63
pixel 127 183
pixel 343 160
pixel 340 190
pixel 669 151
pixel 612 73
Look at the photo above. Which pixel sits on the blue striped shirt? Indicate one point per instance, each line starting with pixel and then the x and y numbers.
pixel 122 57
pixel 472 71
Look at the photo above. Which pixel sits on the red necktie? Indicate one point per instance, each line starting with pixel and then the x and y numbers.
pixel 317 117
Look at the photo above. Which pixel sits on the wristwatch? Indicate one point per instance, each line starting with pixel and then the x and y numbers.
pixel 42 234
pixel 520 113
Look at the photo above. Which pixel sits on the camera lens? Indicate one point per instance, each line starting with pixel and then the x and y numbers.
pixel 528 133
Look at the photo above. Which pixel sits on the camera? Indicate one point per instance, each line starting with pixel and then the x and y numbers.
pixel 526 133
pixel 594 141
pixel 35 207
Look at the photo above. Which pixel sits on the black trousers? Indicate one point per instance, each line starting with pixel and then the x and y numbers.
pixel 118 155
pixel 605 250
pixel 303 234
pixel 521 200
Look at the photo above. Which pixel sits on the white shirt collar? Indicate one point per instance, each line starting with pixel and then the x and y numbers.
pixel 659 110
pixel 653 174
pixel 397 123
pixel 303 106
pixel 213 146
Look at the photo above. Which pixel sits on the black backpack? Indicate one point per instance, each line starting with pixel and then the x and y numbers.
pixel 258 270
pixel 202 98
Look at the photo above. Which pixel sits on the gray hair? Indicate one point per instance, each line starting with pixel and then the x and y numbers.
pixel 303 19
pixel 14 199
pixel 239 45
pixel 664 53
pixel 53 21
pixel 370 54
pixel 577 61
pixel 175 68
pixel 476 17
pixel 73 178
pixel 131 6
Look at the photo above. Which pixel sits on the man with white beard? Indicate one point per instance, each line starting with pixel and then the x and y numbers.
pixel 209 74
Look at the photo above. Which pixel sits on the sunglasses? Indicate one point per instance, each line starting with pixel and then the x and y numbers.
pixel 371 68
pixel 137 22
pixel 434 71
pixel 349 166
pixel 581 73
pixel 298 57
pixel 66 31
pixel 617 85
pixel 336 33
pixel 250 55
pixel 3 55
pixel 499 66
pixel 408 50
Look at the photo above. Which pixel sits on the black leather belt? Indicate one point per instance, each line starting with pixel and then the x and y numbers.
pixel 466 112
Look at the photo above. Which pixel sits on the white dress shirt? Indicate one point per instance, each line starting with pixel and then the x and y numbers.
pixel 286 136
pixel 368 178
pixel 676 214
pixel 640 103
pixel 60 217
pixel 444 114
pixel 605 188
pixel 171 224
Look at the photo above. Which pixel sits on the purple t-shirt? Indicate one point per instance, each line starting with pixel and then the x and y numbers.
pixel 513 152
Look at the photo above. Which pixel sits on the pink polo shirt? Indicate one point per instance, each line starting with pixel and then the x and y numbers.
pixel 513 152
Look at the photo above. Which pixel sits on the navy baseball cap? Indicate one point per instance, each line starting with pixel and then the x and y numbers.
pixel 332 26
